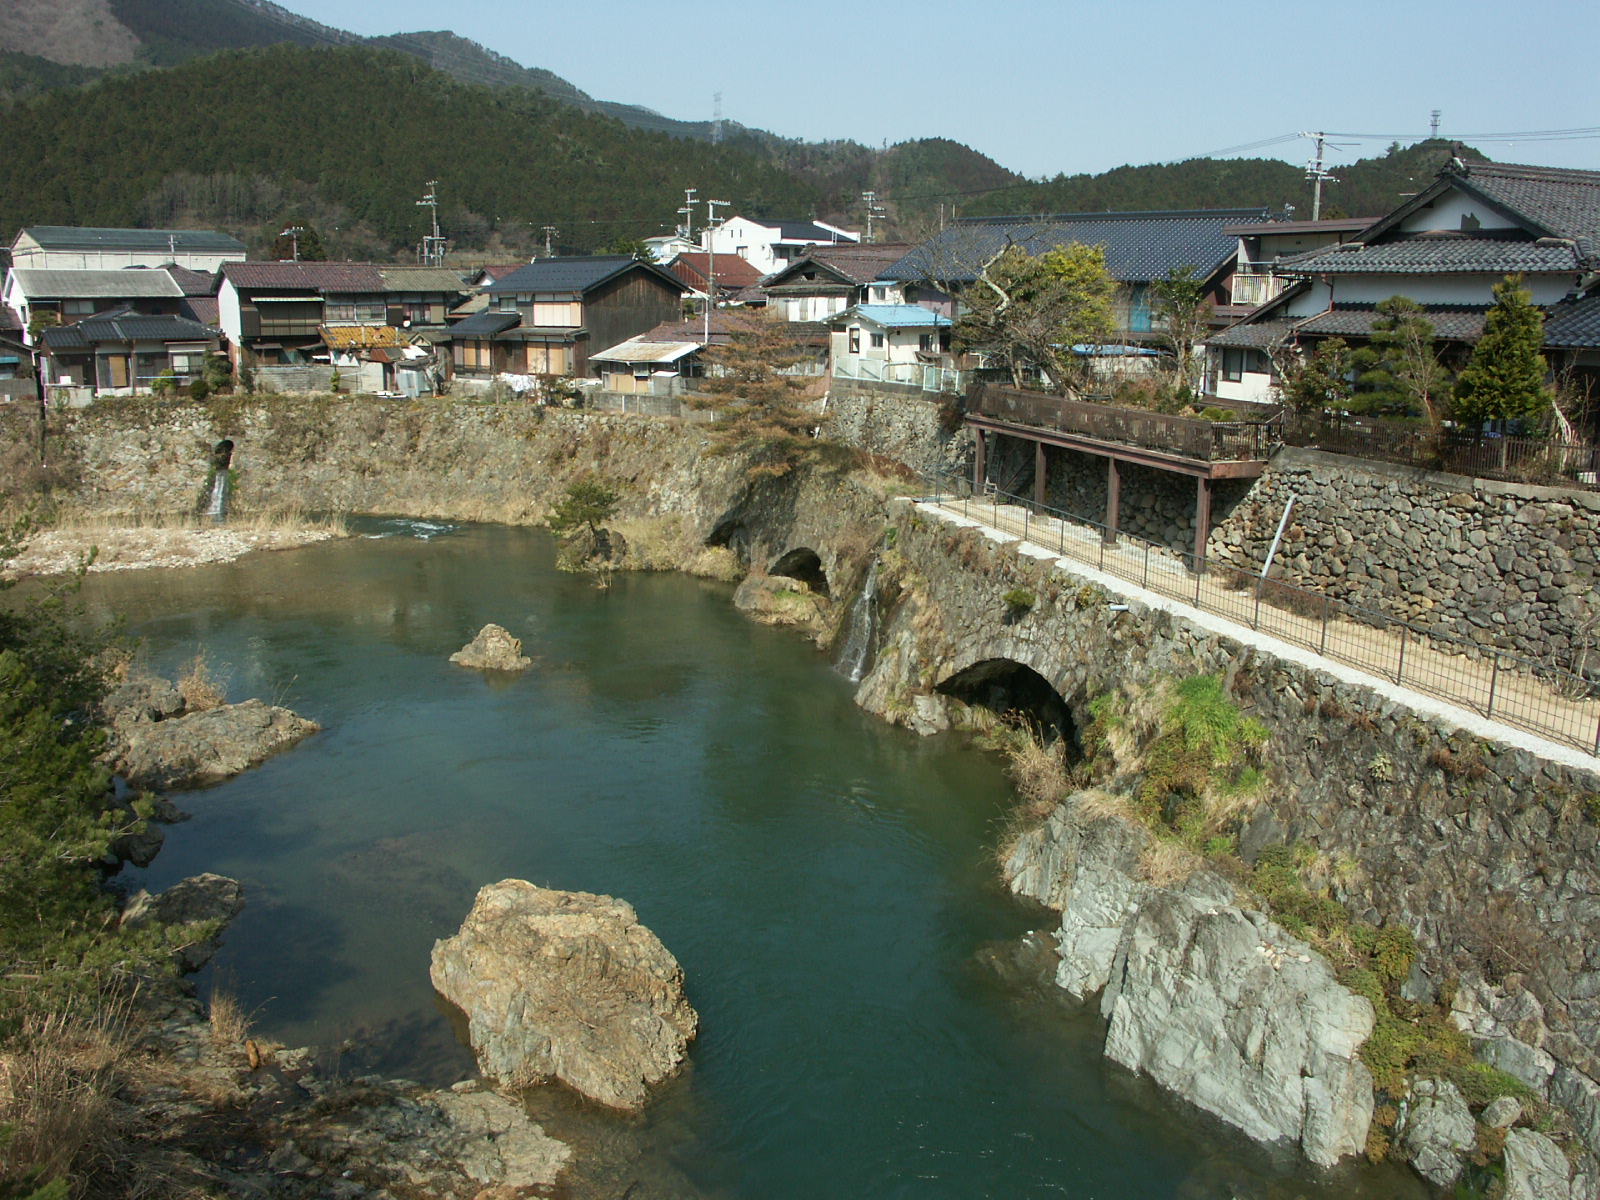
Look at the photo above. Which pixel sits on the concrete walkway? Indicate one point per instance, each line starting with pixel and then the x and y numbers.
pixel 1526 713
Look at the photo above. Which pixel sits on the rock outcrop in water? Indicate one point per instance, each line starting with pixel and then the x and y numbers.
pixel 1217 1004
pixel 494 649
pixel 156 742
pixel 200 900
pixel 568 986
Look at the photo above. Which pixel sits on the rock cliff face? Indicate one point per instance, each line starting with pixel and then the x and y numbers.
pixel 1218 1005
pixel 566 985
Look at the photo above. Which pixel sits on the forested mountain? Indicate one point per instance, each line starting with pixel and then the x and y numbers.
pixel 1368 187
pixel 346 138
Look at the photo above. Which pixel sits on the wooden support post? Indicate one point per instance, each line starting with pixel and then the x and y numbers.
pixel 1113 499
pixel 977 464
pixel 1202 519
pixel 1038 476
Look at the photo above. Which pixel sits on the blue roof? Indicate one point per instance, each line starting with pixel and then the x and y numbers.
pixel 894 316
pixel 1140 246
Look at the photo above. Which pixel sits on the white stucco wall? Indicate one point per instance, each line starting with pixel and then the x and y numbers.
pixel 1446 213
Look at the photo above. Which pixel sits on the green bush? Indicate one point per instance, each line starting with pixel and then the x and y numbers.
pixel 199 389
pixel 1020 600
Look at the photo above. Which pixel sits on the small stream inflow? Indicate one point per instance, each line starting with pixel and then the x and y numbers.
pixel 826 880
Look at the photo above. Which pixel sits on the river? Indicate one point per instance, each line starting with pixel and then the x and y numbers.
pixel 825 880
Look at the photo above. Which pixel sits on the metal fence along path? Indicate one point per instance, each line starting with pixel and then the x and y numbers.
pixel 1543 699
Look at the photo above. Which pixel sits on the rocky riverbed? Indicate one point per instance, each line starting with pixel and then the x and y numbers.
pixel 132 548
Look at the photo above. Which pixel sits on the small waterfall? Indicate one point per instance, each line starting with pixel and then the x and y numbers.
pixel 860 629
pixel 217 506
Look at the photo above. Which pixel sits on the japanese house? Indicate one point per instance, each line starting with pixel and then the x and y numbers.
pixel 68 248
pixel 124 351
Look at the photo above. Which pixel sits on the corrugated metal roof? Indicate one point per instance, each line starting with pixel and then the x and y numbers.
pixel 1435 255
pixel 891 316
pixel 1140 246
pixel 635 351
pixel 192 241
pixel 38 284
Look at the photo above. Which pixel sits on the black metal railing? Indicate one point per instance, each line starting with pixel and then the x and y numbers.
pixel 1535 695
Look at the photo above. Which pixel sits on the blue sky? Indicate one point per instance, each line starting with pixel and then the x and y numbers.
pixel 1067 86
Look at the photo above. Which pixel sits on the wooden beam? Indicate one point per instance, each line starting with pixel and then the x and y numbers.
pixel 1202 520
pixel 1160 460
pixel 1038 476
pixel 1113 499
pixel 977 464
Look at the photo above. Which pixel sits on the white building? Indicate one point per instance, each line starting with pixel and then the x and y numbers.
pixel 68 248
pixel 73 295
pixel 869 338
pixel 768 245
pixel 1445 248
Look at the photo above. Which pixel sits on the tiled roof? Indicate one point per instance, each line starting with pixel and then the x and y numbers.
pixel 1140 246
pixel 1256 335
pixel 726 323
pixel 1565 203
pixel 95 285
pixel 201 308
pixel 1574 323
pixel 847 263
pixel 891 316
pixel 485 324
pixel 305 276
pixel 125 326
pixel 577 274
pixel 8 320
pixel 498 270
pixel 191 241
pixel 421 279
pixel 732 271
pixel 1435 254
pixel 193 283
pixel 1459 323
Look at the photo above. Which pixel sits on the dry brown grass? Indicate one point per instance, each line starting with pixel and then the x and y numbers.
pixel 1098 805
pixel 281 520
pixel 202 686
pixel 1039 773
pixel 58 1079
pixel 230 1024
pixel 1166 863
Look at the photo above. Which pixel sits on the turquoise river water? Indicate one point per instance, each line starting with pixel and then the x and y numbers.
pixel 826 880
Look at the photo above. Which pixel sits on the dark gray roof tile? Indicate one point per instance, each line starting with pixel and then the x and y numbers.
pixel 1435 255
pixel 1574 323
pixel 1140 246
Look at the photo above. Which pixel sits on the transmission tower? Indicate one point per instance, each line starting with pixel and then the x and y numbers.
pixel 550 231
pixel 1433 123
pixel 716 119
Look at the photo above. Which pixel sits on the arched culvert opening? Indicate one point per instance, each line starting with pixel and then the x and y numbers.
pixel 1014 692
pixel 222 454
pixel 805 565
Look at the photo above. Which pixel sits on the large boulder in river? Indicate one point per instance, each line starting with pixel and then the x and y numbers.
pixel 568 986
pixel 204 747
pixel 494 649
pixel 204 904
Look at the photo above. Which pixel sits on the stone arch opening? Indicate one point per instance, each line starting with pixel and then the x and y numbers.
pixel 1014 691
pixel 804 564
pixel 222 454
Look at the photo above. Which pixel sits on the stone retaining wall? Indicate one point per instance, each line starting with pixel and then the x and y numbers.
pixel 899 421
pixel 1502 565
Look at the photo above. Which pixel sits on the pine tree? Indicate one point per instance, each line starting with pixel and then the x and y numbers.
pixel 1399 372
pixel 760 401
pixel 1505 377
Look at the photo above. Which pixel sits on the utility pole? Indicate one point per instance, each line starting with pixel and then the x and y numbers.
pixel 711 266
pixel 687 228
pixel 293 234
pixel 550 231
pixel 1316 173
pixel 1433 123
pixel 433 244
pixel 874 209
